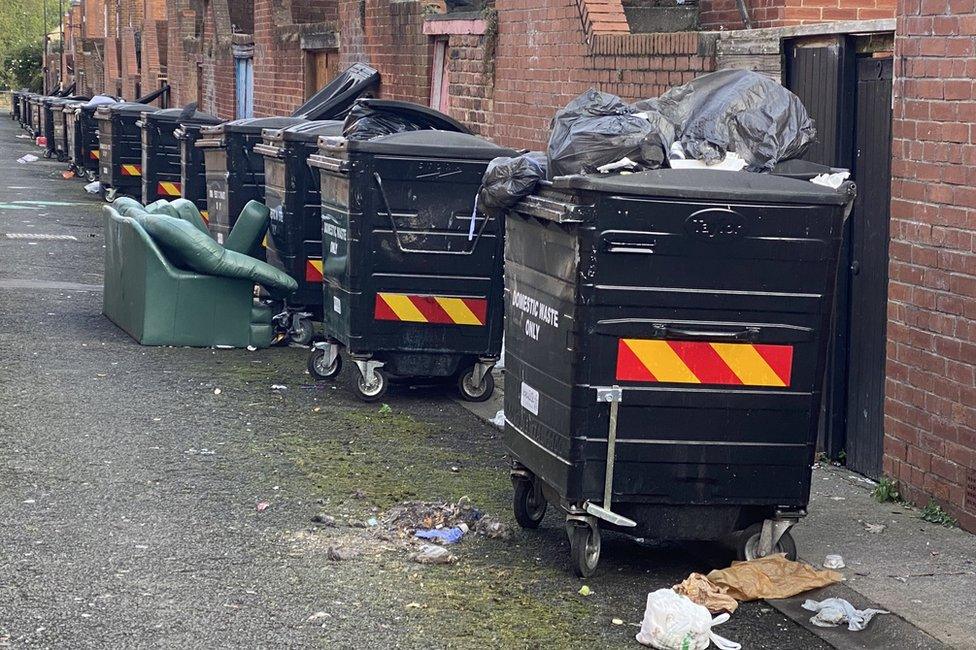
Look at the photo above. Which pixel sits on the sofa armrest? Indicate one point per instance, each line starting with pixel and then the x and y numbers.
pixel 249 229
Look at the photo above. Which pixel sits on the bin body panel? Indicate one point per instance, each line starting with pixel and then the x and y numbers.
pixel 161 152
pixel 713 316
pixel 88 133
pixel 193 177
pixel 120 147
pixel 292 195
pixel 404 283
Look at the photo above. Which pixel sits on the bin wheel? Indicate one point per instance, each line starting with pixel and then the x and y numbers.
pixel 302 331
pixel 584 548
pixel 748 542
pixel 91 176
pixel 318 369
pixel 111 194
pixel 470 392
pixel 529 504
pixel 375 391
pixel 62 157
pixel 48 154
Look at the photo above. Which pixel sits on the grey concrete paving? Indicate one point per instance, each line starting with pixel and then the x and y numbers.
pixel 130 478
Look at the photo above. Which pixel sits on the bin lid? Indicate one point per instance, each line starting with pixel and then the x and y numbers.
pixel 100 100
pixel 310 131
pixel 422 116
pixel 335 100
pixel 709 185
pixel 126 108
pixel 181 116
pixel 251 125
pixel 432 144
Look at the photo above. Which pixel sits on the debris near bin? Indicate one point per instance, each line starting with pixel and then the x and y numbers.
pixel 674 622
pixel 837 611
pixel 709 595
pixel 771 577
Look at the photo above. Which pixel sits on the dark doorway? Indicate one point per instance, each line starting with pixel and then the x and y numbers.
pixel 845 83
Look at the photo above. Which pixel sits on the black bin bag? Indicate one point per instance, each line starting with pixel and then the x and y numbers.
pixel 740 111
pixel 508 180
pixel 597 129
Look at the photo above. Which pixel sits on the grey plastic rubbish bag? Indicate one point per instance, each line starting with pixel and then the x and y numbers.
pixel 597 129
pixel 740 111
pixel 508 180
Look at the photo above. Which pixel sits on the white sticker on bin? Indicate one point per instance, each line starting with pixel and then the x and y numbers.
pixel 530 399
pixel 336 305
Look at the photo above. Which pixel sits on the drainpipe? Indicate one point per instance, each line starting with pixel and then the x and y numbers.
pixel 744 12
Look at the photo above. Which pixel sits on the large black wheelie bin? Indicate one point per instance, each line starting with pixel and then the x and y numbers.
pixel 58 145
pixel 291 193
pixel 193 179
pixel 36 126
pixel 666 339
pixel 412 274
pixel 83 135
pixel 235 172
pixel 161 175
pixel 15 105
pixel 120 148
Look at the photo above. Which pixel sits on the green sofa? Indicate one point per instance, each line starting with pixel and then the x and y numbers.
pixel 167 282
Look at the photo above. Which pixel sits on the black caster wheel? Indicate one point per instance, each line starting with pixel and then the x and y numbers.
pixel 375 391
pixel 91 176
pixel 62 157
pixel 302 331
pixel 318 369
pixel 48 155
pixel 111 195
pixel 471 393
pixel 528 503
pixel 748 543
pixel 584 548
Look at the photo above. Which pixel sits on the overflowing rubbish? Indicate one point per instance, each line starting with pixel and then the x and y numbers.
pixel 704 592
pixel 597 129
pixel 834 562
pixel 433 554
pixel 773 576
pixel 736 110
pixel 833 180
pixel 411 516
pixel 451 535
pixel 673 622
pixel 837 611
pixel 508 180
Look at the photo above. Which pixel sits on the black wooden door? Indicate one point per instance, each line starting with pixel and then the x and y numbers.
pixel 868 270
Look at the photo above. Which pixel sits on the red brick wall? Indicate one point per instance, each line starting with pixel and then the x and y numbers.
pixel 154 51
pixel 471 82
pixel 219 84
pixel 113 74
pixel 543 61
pixel 93 19
pixel 724 14
pixel 130 68
pixel 930 411
pixel 278 65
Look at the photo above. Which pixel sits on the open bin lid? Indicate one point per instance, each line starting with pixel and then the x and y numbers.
pixel 180 116
pixel 709 185
pixel 431 144
pixel 423 117
pixel 335 100
pixel 250 126
pixel 309 131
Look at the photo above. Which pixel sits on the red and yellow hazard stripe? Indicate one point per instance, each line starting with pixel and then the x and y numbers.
pixel 95 154
pixel 131 170
pixel 205 215
pixel 165 188
pixel 437 310
pixel 313 271
pixel 693 362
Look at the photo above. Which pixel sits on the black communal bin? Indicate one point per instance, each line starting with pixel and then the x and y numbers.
pixel 58 146
pixel 82 130
pixel 412 288
pixel 161 173
pixel 683 316
pixel 37 115
pixel 120 148
pixel 193 178
pixel 291 193
pixel 15 105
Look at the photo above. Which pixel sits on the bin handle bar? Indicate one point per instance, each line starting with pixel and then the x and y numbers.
pixel 668 331
pixel 396 232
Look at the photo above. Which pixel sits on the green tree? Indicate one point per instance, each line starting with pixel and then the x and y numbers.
pixel 22 30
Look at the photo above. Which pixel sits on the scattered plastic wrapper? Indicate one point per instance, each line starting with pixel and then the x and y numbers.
pixel 94 188
pixel 674 622
pixel 443 535
pixel 834 180
pixel 701 591
pixel 433 554
pixel 508 180
pixel 834 562
pixel 771 577
pixel 732 162
pixel 837 611
pixel 29 158
pixel 499 419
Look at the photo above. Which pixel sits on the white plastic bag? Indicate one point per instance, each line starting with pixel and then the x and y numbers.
pixel 674 622
pixel 836 611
